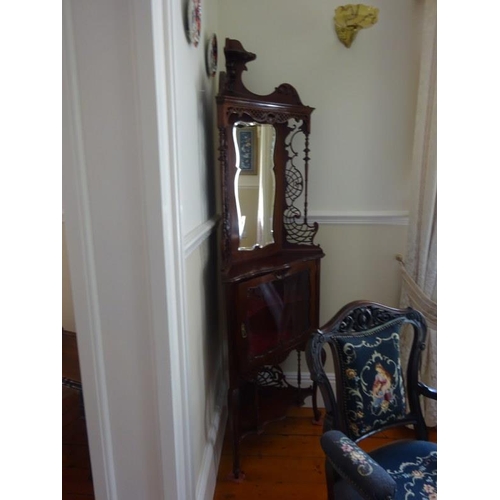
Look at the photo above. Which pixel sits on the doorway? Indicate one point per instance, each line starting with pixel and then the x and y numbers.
pixel 76 468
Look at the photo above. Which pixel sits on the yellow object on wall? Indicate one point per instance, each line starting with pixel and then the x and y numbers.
pixel 349 19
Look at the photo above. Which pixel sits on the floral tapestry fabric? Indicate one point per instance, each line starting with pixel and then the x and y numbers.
pixel 357 468
pixel 403 470
pixel 372 382
pixel 357 456
pixel 413 466
pixel 418 479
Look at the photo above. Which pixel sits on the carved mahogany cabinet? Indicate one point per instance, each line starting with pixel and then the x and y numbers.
pixel 270 265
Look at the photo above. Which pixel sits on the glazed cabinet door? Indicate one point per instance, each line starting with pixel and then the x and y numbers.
pixel 275 314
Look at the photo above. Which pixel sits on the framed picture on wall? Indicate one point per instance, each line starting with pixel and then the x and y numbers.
pixel 246 143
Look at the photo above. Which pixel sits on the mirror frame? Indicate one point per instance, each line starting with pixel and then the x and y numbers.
pixel 236 103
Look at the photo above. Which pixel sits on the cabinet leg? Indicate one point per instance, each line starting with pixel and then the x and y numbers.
pixel 234 404
pixel 299 380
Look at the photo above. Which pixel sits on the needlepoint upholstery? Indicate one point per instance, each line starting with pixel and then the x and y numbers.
pixel 373 394
pixel 371 377
pixel 412 465
pixel 404 469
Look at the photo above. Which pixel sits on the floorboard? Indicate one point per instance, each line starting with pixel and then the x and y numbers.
pixel 286 461
pixel 77 481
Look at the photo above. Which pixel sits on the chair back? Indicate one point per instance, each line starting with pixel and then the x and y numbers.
pixel 372 391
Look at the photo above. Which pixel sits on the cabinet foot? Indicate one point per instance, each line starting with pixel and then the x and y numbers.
pixel 236 478
pixel 317 421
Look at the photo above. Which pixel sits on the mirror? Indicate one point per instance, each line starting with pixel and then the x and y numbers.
pixel 254 183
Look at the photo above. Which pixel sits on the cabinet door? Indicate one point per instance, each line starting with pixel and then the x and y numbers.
pixel 276 314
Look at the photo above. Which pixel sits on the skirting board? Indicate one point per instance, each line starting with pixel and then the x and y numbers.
pixel 207 477
pixel 306 381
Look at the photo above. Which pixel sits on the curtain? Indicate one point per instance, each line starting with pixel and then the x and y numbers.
pixel 419 269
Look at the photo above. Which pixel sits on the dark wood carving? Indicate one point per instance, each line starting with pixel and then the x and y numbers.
pixel 358 317
pixel 271 292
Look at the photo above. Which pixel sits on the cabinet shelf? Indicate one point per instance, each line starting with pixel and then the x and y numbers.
pixel 272 404
pixel 262 265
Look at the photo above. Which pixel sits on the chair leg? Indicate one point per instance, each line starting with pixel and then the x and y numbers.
pixel 317 413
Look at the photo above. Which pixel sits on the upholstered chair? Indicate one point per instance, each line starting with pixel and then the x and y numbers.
pixel 373 393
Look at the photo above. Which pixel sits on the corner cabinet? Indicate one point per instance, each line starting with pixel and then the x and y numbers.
pixel 270 265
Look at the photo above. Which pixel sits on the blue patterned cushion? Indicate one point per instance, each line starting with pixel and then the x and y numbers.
pixel 372 379
pixel 357 468
pixel 413 465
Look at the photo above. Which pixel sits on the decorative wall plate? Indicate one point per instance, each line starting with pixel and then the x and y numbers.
pixel 212 56
pixel 194 21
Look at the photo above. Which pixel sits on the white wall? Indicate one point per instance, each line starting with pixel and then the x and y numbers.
pixel 138 142
pixel 361 130
pixel 195 104
pixel 362 127
pixel 365 96
pixel 207 375
pixel 362 260
pixel 197 168
pixel 104 206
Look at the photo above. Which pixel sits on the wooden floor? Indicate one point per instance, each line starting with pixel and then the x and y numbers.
pixel 286 461
pixel 76 473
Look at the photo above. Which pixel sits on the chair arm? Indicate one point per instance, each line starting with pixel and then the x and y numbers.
pixel 370 480
pixel 427 391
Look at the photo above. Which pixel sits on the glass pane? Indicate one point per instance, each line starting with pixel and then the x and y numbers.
pixel 277 312
pixel 254 183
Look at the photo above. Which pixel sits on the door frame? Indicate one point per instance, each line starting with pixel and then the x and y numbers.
pixel 151 28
